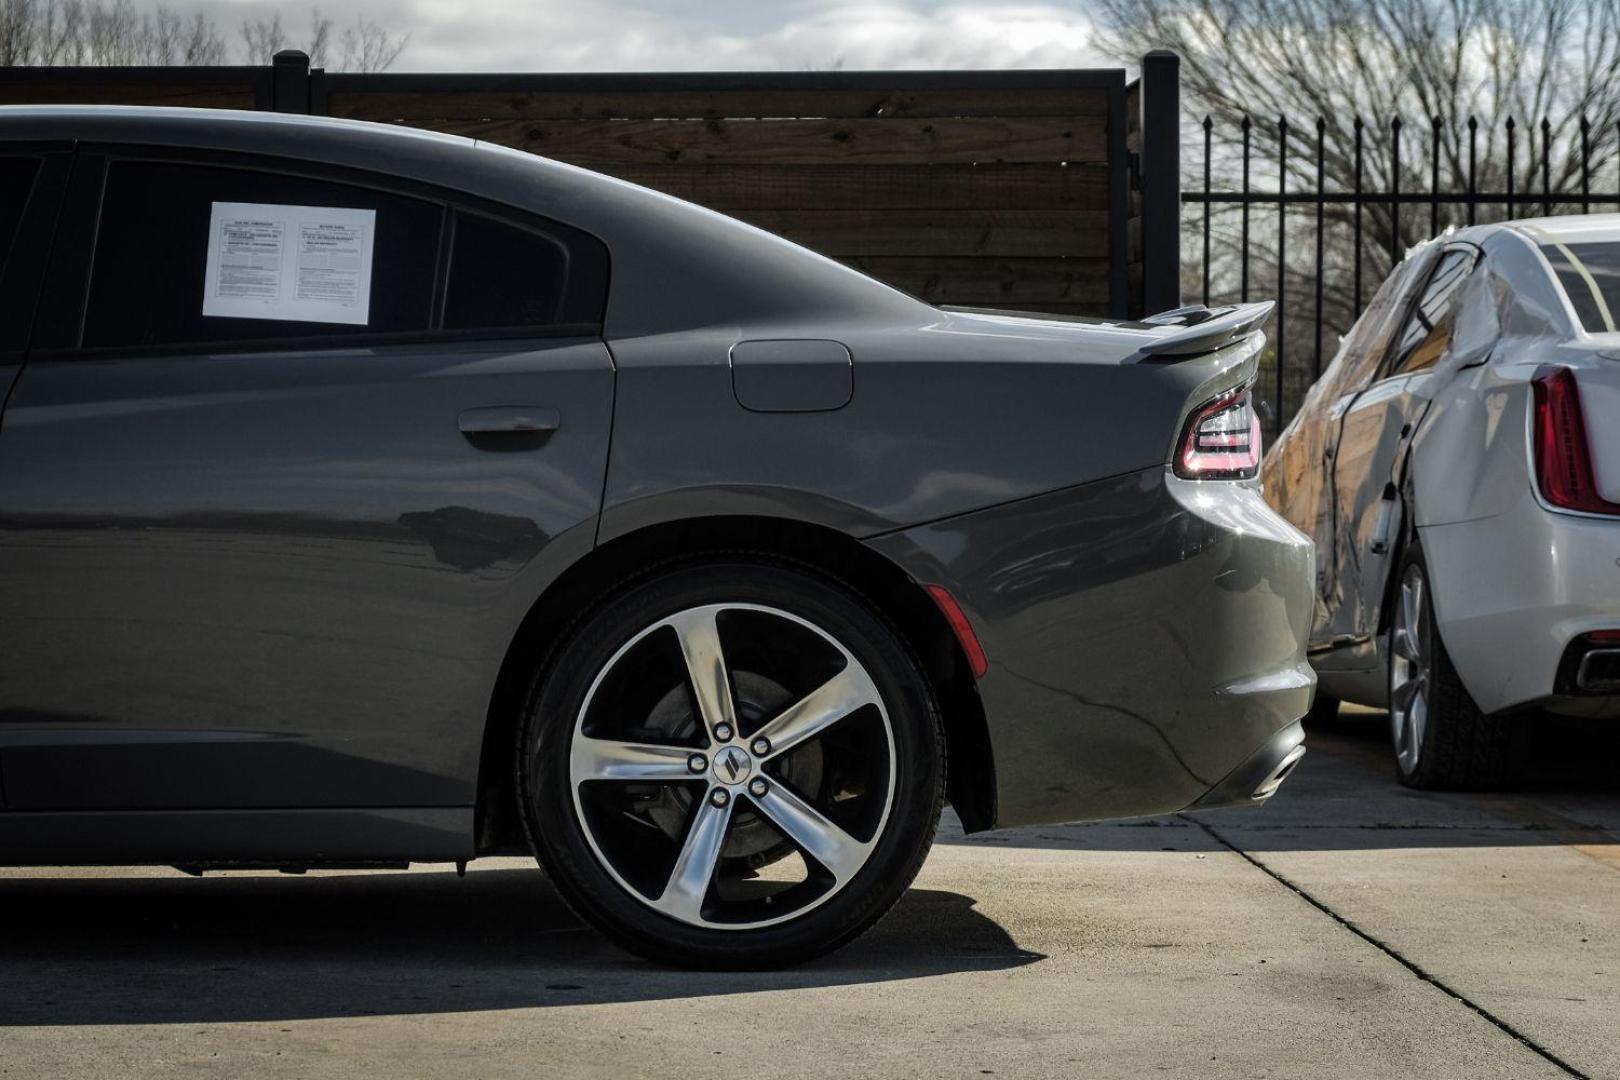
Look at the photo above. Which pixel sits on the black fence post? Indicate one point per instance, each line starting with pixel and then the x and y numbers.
pixel 289 88
pixel 1161 181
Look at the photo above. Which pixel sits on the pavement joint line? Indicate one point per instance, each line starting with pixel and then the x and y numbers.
pixel 1395 955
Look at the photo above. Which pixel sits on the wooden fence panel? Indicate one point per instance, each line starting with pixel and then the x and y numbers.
pixel 986 189
pixel 195 88
pixel 443 100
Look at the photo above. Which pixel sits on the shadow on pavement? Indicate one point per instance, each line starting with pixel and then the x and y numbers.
pixel 131 950
pixel 1567 754
pixel 1345 797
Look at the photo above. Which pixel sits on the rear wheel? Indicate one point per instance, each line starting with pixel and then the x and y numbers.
pixel 1441 738
pixel 733 765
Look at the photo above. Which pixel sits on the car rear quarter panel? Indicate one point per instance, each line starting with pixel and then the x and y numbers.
pixel 1145 635
pixel 948 415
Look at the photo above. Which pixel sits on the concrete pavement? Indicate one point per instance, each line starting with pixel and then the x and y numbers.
pixel 1349 929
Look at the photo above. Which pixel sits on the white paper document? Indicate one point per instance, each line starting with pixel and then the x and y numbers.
pixel 299 263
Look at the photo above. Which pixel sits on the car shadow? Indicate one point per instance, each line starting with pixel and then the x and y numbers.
pixel 1344 797
pixel 1552 768
pixel 167 949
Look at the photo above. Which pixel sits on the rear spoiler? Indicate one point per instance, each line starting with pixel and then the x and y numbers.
pixel 1205 329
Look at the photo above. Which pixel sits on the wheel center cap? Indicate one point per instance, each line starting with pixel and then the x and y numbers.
pixel 732 765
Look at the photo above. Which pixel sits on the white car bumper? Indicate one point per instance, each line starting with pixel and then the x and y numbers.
pixel 1514 590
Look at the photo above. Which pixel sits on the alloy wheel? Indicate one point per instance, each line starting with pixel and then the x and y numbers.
pixel 1409 672
pixel 732 766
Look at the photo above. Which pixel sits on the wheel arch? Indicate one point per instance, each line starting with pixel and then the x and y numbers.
pixel 970 778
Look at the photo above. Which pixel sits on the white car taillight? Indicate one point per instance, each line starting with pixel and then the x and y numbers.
pixel 1221 440
pixel 1563 453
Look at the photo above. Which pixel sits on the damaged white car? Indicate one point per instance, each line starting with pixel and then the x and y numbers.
pixel 1458 466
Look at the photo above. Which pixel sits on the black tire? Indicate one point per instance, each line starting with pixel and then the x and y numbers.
pixel 603 898
pixel 1461 748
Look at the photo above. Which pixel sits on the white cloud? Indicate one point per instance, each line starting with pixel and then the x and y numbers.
pixel 623 35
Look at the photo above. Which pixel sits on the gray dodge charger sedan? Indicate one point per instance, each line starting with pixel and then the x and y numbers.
pixel 370 496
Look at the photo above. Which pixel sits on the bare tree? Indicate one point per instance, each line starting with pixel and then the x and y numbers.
pixel 117 32
pixel 93 32
pixel 201 43
pixel 1422 67
pixel 1434 64
pixel 368 46
pixel 263 38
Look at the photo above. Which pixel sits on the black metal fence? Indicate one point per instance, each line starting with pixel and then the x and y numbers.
pixel 1317 217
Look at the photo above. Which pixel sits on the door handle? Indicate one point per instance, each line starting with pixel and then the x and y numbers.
pixel 508 420
pixel 508 427
pixel 494 420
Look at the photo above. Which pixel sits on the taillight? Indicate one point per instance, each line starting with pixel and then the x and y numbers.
pixel 1221 440
pixel 1563 454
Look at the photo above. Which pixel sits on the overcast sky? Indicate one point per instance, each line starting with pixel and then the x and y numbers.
pixel 664 35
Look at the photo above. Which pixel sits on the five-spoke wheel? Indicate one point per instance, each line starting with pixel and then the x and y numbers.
pixel 1441 738
pixel 1409 671
pixel 733 765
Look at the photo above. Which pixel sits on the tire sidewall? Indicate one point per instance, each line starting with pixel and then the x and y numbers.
pixel 546 788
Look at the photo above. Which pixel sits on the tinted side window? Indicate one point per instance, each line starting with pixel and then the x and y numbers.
pixel 148 278
pixel 16 181
pixel 1427 334
pixel 502 275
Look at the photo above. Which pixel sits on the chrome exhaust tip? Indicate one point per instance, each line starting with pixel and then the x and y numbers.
pixel 1268 787
pixel 1599 672
pixel 1258 777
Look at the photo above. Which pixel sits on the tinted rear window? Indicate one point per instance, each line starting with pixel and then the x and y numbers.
pixel 16 181
pixel 147 282
pixel 1590 275
pixel 502 276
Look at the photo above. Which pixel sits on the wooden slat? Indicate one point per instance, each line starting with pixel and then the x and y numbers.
pixel 76 92
pixel 429 106
pixel 787 142
pixel 936 187
pixel 845 233
pixel 985 281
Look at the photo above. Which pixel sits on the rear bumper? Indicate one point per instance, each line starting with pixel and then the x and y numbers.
pixel 1145 637
pixel 1512 591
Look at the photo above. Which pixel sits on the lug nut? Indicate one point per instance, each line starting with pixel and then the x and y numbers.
pixel 758 787
pixel 697 763
pixel 719 796
pixel 762 746
pixel 722 732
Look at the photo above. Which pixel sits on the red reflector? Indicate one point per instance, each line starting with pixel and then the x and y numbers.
pixel 1563 455
pixel 961 628
pixel 1603 637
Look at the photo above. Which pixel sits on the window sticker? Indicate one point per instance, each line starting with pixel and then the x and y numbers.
pixel 299 263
